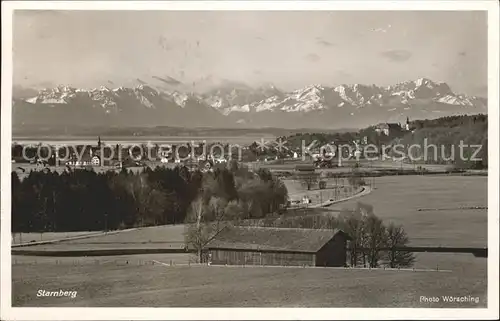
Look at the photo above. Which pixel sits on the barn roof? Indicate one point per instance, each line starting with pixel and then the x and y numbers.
pixel 272 239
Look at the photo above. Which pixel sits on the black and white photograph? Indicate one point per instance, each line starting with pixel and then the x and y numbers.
pixel 227 154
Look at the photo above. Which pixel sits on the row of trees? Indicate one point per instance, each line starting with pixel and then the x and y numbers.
pixel 374 243
pixel 85 200
pixel 451 121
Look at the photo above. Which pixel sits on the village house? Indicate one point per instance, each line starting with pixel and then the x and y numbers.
pixel 85 156
pixel 387 128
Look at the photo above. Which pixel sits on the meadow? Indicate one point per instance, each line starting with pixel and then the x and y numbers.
pixel 296 191
pixel 429 207
pixel 433 209
pixel 142 285
pixel 22 238
pixel 161 237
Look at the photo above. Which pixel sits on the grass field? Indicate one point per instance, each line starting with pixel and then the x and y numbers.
pixel 398 199
pixel 136 259
pixel 169 236
pixel 135 285
pixel 21 238
pixel 139 280
pixel 296 191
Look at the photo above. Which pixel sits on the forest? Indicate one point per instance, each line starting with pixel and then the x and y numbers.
pixel 446 132
pixel 83 200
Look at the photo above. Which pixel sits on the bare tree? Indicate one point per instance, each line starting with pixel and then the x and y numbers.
pixel 352 224
pixel 217 207
pixel 370 236
pixel 396 238
pixel 196 234
pixel 206 220
pixel 374 239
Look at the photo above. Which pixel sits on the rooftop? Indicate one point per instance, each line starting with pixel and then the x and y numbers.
pixel 272 239
pixel 388 125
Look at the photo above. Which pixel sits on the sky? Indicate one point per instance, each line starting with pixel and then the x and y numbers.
pixel 288 49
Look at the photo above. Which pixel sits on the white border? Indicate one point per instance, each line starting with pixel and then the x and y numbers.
pixel 492 312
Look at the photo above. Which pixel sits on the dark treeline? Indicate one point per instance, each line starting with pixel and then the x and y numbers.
pixel 81 200
pixel 475 124
pixel 447 134
pixel 451 121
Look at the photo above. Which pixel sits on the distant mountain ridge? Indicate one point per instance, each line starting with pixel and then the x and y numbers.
pixel 230 105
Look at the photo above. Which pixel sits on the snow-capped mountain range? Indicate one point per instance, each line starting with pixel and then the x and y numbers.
pixel 314 106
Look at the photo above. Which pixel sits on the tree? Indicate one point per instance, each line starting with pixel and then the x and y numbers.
pixel 206 220
pixel 483 153
pixel 235 210
pixel 197 235
pixel 396 238
pixel 374 239
pixel 17 204
pixel 351 223
pixel 308 180
pixel 355 179
pixel 233 166
pixel 277 195
pixel 217 211
pixel 149 201
pixel 370 237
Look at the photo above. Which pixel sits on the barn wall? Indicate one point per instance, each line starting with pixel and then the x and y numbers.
pixel 237 257
pixel 333 253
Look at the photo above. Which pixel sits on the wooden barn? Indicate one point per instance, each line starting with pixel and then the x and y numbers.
pixel 278 247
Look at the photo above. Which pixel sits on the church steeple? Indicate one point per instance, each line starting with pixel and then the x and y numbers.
pixel 99 142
